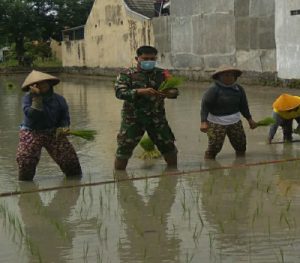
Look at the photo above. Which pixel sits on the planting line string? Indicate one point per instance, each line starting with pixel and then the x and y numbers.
pixel 177 173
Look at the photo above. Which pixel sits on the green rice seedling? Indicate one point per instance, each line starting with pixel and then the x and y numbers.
pixel 253 218
pixel 88 135
pixel 258 178
pixel 281 216
pixel 211 240
pixel 287 190
pixel 150 151
pixel 265 122
pixel 189 258
pixel 99 227
pixel 195 232
pixel 268 188
pixel 99 256
pixel 170 83
pixel 287 221
pixel 85 252
pixel 61 229
pixel 295 222
pixel 221 226
pixel 183 201
pixel 106 233
pixel 101 201
pixel 201 220
pixel 269 227
pixel 288 205
pixel 281 254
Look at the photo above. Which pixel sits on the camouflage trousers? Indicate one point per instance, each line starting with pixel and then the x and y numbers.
pixel 60 149
pixel 216 135
pixel 132 130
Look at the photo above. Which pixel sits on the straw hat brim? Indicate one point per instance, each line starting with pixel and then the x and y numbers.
pixel 224 69
pixel 286 102
pixel 36 77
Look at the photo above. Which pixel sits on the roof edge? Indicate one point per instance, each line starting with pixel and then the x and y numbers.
pixel 134 12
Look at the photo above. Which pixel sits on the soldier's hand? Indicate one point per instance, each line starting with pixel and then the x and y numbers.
pixel 171 93
pixel 148 92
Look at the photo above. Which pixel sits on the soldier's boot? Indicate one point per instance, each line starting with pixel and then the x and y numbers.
pixel 171 159
pixel 120 164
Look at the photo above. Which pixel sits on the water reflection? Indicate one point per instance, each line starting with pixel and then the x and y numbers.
pixel 226 200
pixel 146 223
pixel 249 213
pixel 48 230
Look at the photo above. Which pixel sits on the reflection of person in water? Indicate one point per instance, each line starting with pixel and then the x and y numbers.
pixel 46 226
pixel 226 199
pixel 147 223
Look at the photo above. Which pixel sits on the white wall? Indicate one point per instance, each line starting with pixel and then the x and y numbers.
pixel 287 39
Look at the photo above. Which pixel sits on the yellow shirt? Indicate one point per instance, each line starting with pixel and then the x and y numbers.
pixel 287 115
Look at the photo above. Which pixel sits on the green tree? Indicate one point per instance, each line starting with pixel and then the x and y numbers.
pixel 27 20
pixel 70 13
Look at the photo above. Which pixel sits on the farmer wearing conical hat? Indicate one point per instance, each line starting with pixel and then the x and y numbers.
pixel 285 108
pixel 221 109
pixel 44 112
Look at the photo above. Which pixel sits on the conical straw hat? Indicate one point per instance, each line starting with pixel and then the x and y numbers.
pixel 226 68
pixel 36 77
pixel 286 102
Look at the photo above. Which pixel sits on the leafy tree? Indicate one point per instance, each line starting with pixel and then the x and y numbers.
pixel 27 20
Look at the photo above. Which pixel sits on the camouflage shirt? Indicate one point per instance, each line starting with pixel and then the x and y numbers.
pixel 140 106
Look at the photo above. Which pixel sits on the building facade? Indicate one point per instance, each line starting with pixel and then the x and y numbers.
pixel 259 36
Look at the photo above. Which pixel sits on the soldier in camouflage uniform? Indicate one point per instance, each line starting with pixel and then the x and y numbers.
pixel 143 109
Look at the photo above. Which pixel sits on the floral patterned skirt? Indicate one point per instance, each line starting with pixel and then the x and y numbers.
pixel 59 148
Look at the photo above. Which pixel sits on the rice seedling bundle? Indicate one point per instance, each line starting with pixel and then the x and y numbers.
pixel 170 83
pixel 84 134
pixel 266 122
pixel 150 151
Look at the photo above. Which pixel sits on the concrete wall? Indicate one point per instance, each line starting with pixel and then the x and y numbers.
pixel 74 53
pixel 56 49
pixel 203 34
pixel 111 37
pixel 288 39
pixel 255 35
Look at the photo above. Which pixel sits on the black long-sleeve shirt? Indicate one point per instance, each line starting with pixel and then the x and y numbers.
pixel 221 101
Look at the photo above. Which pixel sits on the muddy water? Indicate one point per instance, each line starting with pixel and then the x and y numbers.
pixel 224 215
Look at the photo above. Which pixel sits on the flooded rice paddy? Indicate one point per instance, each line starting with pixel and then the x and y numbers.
pixel 228 210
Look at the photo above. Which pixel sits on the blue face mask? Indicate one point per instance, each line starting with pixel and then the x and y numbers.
pixel 147 64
